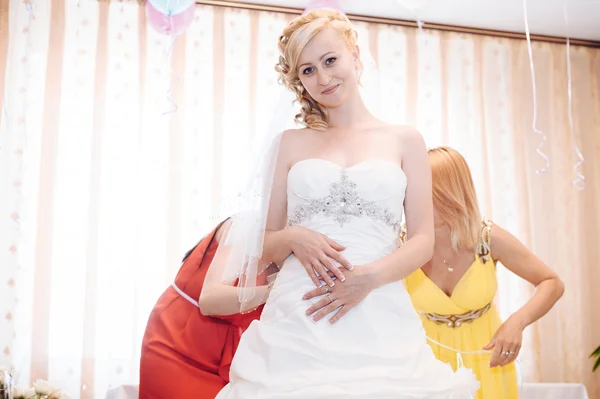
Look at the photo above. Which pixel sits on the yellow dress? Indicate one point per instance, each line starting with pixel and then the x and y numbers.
pixel 474 291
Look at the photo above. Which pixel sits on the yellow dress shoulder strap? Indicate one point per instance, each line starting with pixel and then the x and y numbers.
pixel 403 233
pixel 484 247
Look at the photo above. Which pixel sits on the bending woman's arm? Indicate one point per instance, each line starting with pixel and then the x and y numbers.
pixel 517 258
pixel 220 299
pixel 315 251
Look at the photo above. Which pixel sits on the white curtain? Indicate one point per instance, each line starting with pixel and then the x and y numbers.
pixel 105 186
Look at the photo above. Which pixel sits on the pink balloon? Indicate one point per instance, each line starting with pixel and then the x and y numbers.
pixel 331 4
pixel 173 25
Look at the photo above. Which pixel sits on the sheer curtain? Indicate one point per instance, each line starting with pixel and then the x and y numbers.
pixel 105 185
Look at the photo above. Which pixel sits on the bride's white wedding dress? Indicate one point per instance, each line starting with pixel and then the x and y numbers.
pixel 379 349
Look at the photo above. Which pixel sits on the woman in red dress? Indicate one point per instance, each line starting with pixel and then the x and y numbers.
pixel 184 353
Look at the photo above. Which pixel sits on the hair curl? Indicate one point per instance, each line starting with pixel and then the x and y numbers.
pixel 291 43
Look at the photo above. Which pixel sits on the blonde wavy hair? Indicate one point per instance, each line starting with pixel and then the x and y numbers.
pixel 291 43
pixel 454 197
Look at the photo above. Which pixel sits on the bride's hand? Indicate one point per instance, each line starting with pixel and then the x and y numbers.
pixel 343 296
pixel 315 251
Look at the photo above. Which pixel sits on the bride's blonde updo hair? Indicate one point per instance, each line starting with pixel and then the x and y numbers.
pixel 291 43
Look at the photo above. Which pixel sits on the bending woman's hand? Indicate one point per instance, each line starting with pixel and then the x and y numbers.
pixel 506 343
pixel 343 296
pixel 316 251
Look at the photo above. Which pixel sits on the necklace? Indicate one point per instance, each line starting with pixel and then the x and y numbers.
pixel 448 265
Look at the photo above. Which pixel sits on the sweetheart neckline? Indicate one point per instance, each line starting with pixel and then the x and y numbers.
pixel 366 161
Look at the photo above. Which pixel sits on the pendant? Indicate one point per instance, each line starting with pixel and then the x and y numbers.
pixel 450 268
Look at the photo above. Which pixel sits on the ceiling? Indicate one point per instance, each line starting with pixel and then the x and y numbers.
pixel 546 17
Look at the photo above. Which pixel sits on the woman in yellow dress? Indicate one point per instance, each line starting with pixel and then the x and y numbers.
pixel 453 292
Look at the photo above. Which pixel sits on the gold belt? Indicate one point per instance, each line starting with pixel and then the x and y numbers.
pixel 455 320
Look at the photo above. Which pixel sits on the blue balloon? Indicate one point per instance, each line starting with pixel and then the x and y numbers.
pixel 171 7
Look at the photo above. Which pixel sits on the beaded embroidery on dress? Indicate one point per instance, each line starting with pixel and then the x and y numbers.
pixel 379 349
pixel 342 202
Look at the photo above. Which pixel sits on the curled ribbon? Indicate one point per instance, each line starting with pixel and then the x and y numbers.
pixel 174 106
pixel 531 67
pixel 579 181
pixel 173 38
pixel 414 7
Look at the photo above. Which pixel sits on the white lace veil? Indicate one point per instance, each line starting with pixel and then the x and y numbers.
pixel 240 250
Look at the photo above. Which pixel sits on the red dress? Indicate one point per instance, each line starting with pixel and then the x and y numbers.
pixel 184 353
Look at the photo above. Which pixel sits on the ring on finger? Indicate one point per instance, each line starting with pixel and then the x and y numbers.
pixel 505 353
pixel 327 289
pixel 330 300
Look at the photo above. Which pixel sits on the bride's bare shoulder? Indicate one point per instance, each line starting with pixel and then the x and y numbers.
pixel 293 142
pixel 296 137
pixel 407 136
pixel 295 134
pixel 404 131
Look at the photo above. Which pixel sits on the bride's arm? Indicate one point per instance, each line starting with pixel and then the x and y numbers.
pixel 277 245
pixel 417 250
pixel 313 250
pixel 418 206
pixel 222 299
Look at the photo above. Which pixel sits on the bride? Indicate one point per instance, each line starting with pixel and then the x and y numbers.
pixel 330 201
